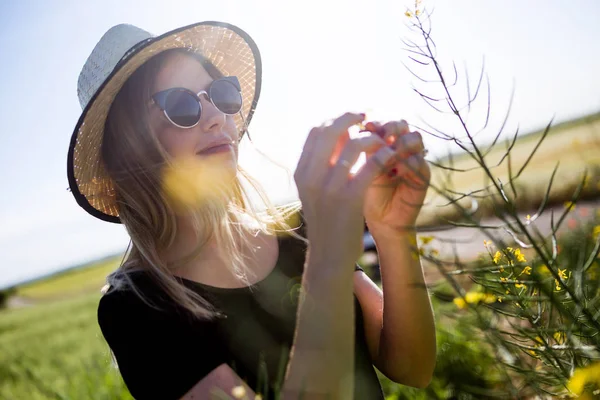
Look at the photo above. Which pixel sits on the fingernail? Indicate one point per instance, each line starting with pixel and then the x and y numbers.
pixel 393 172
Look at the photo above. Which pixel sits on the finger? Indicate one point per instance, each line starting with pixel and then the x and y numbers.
pixel 410 143
pixel 349 155
pixel 331 134
pixel 414 171
pixel 374 166
pixel 392 130
pixel 374 127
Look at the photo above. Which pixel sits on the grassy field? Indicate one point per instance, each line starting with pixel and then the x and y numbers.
pixel 66 285
pixel 575 144
pixel 55 350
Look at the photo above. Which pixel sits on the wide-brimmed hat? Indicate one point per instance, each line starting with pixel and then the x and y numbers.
pixel 122 50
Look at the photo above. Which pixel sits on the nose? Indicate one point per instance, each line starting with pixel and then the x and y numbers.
pixel 212 119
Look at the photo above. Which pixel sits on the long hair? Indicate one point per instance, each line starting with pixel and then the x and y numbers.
pixel 135 160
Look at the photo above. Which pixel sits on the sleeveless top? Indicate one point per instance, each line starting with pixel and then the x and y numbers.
pixel 162 353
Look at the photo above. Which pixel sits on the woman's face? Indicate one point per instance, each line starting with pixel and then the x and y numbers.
pixel 214 128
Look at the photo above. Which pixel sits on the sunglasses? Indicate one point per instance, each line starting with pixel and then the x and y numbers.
pixel 183 109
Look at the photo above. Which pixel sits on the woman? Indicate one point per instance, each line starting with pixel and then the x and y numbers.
pixel 213 294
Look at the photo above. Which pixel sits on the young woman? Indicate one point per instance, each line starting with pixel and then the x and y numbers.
pixel 212 293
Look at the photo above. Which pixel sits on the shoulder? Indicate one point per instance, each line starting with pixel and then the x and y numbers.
pixel 142 306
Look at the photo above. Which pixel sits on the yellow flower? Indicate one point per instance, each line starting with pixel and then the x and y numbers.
pixel 596 231
pixel 562 274
pixel 459 302
pixel 533 353
pixel 560 337
pixel 238 392
pixel 408 14
pixel 509 249
pixel 569 205
pixel 520 285
pixel 582 376
pixel 418 12
pixel 474 298
pixel 526 270
pixel 557 283
pixel 426 239
pixel 487 243
pixel 497 257
pixel 503 279
pixel 528 218
pixel 520 256
pixel 500 298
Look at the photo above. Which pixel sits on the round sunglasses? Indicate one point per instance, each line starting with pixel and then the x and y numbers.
pixel 183 109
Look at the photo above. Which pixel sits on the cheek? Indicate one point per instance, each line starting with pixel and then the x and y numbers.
pixel 175 143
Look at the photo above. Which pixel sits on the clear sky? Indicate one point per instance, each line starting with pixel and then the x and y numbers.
pixel 320 58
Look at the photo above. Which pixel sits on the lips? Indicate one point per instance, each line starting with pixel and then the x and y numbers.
pixel 217 148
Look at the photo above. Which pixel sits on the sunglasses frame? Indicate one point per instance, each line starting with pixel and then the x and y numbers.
pixel 160 98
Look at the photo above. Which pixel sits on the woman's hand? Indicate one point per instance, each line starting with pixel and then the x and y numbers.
pixel 396 196
pixel 332 198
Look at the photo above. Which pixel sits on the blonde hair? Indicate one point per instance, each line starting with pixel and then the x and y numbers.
pixel 134 158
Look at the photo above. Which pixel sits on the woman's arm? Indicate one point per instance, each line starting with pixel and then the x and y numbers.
pixel 406 345
pixel 321 362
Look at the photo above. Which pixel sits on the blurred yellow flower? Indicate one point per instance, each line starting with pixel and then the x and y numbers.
pixel 503 279
pixel 569 205
pixel 528 217
pixel 560 337
pixel 596 231
pixel 582 376
pixel 426 239
pixel 526 270
pixel 543 269
pixel 189 182
pixel 487 243
pixel 408 14
pixel 418 12
pixel 238 392
pixel 497 257
pixel 509 249
pixel 474 298
pixel 459 302
pixel 557 283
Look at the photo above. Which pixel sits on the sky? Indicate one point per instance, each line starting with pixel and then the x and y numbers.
pixel 320 59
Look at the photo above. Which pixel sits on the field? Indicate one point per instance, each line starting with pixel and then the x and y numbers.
pixel 575 145
pixel 51 346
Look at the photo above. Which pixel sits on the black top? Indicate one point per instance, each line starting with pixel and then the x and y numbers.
pixel 162 354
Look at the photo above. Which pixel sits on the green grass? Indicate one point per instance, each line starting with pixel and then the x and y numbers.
pixel 65 285
pixel 56 351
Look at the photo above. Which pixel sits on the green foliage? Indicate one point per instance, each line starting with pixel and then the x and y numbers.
pixel 56 351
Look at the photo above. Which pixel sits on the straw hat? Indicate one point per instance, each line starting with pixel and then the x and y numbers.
pixel 122 50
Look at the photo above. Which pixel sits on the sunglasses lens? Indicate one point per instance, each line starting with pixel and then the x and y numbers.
pixel 226 97
pixel 182 108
